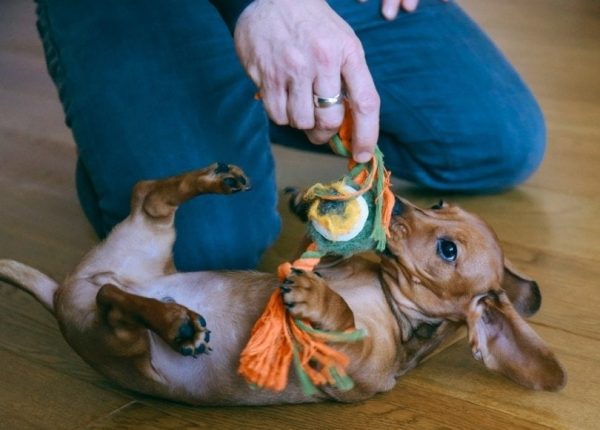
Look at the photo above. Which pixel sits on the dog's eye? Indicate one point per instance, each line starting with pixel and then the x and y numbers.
pixel 438 205
pixel 447 249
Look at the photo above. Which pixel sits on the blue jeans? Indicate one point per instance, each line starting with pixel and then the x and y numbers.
pixel 153 88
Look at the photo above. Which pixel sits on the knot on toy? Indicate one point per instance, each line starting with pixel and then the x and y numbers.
pixel 348 216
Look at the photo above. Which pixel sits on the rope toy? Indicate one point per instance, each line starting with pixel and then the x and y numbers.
pixel 348 216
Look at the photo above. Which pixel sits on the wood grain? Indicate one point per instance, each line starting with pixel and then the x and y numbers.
pixel 549 228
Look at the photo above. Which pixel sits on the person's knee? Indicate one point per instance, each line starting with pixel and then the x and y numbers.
pixel 513 152
pixel 495 153
pixel 522 150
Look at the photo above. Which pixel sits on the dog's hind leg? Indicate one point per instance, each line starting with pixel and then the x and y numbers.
pixel 140 248
pixel 127 316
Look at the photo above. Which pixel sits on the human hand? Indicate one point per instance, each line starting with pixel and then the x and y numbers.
pixel 292 50
pixel 390 8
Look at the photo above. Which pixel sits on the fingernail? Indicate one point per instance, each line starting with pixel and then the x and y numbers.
pixel 410 5
pixel 362 157
pixel 390 12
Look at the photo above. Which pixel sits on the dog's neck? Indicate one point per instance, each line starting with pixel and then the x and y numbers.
pixel 412 321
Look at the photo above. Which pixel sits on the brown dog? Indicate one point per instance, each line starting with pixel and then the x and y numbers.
pixel 127 312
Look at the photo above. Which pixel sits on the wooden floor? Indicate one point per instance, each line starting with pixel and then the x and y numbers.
pixel 550 227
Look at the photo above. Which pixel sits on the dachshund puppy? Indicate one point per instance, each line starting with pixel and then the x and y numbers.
pixel 130 315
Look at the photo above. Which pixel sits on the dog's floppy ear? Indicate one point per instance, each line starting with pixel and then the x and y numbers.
pixel 505 343
pixel 522 291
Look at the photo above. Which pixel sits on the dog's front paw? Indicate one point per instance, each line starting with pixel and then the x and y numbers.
pixel 187 332
pixel 232 178
pixel 305 295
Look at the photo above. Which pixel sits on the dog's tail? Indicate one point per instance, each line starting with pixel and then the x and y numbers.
pixel 39 285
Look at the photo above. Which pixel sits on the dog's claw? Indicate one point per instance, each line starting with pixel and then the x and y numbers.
pixel 300 292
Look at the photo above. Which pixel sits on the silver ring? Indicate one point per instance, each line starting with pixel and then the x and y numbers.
pixel 325 102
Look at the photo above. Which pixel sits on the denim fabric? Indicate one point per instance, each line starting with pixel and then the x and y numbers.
pixel 153 88
pixel 454 113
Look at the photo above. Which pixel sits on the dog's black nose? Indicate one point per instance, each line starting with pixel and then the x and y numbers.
pixel 398 207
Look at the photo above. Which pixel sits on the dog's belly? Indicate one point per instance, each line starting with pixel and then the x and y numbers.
pixel 230 302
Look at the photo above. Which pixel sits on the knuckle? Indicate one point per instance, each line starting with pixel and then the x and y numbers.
pixel 355 50
pixel 303 123
pixel 294 61
pixel 324 53
pixel 328 123
pixel 368 103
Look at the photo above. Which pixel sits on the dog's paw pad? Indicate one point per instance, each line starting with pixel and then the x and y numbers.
pixel 193 337
pixel 221 168
pixel 232 178
pixel 234 185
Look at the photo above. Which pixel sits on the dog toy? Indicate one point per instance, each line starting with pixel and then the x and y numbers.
pixel 348 216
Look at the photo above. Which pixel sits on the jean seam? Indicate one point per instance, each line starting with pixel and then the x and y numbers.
pixel 54 61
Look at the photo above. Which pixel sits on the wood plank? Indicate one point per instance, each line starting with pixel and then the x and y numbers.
pixel 35 397
pixel 455 373
pixel 404 407
pixel 33 116
pixel 29 331
pixel 560 57
pixel 139 416
pixel 569 289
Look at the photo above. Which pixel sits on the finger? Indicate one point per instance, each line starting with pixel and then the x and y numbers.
pixel 320 136
pixel 364 101
pixel 389 8
pixel 410 5
pixel 327 119
pixel 300 109
pixel 275 101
